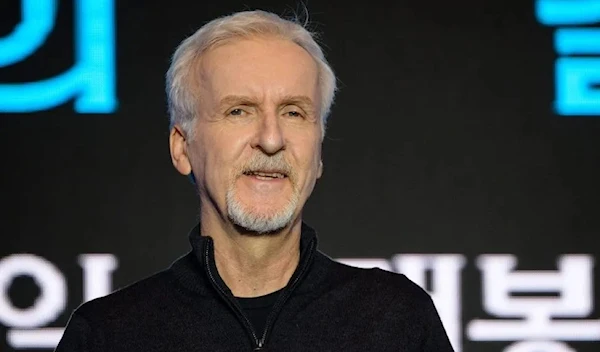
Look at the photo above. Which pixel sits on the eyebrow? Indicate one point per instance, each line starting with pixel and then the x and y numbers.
pixel 237 99
pixel 302 100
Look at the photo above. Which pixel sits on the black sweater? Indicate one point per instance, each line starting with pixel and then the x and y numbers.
pixel 326 306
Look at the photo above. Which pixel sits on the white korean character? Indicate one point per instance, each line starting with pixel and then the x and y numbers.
pixel 536 319
pixel 27 324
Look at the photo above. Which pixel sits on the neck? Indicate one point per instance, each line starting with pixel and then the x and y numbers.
pixel 254 265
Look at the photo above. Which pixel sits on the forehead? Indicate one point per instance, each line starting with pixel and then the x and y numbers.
pixel 261 67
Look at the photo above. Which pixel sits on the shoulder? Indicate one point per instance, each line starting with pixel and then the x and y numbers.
pixel 137 296
pixel 121 312
pixel 381 302
pixel 134 301
pixel 375 278
pixel 378 285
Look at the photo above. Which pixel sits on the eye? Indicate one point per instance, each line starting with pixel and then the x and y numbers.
pixel 237 112
pixel 293 113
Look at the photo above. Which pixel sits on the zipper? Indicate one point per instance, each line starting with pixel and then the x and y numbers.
pixel 285 295
pixel 230 302
pixel 234 305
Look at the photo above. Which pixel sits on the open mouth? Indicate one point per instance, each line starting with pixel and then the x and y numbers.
pixel 266 175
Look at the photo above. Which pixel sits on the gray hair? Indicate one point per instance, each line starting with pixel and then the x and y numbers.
pixel 181 96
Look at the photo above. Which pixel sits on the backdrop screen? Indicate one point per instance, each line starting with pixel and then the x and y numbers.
pixel 463 150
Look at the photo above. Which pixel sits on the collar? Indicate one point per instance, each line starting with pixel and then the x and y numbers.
pixel 197 271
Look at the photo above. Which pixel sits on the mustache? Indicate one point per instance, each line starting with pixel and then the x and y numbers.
pixel 265 163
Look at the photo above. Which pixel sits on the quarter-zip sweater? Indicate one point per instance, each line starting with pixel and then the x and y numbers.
pixel 326 306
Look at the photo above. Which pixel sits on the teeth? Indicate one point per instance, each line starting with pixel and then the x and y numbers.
pixel 268 174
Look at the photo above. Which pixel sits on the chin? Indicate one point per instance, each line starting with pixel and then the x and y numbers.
pixel 260 221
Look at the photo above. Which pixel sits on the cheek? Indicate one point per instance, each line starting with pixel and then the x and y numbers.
pixel 223 155
pixel 310 161
pixel 198 161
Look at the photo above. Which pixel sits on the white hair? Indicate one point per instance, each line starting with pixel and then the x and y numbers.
pixel 182 79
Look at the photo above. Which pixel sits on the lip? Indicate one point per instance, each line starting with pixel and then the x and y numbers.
pixel 263 186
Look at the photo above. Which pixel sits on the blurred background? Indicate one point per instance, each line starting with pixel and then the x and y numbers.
pixel 462 150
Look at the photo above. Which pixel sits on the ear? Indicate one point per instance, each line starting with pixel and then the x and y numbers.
pixel 320 170
pixel 178 147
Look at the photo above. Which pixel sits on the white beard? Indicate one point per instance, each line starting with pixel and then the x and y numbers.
pixel 260 223
pixel 249 217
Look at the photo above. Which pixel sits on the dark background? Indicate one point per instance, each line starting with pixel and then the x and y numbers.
pixel 442 139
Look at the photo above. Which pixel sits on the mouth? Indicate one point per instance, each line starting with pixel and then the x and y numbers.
pixel 266 175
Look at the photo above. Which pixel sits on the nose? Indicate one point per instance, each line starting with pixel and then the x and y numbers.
pixel 269 137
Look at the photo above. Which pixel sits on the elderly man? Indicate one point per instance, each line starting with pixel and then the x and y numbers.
pixel 249 95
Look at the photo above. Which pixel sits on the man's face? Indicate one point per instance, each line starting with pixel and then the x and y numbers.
pixel 256 152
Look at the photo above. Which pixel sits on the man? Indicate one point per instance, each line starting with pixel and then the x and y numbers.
pixel 249 95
